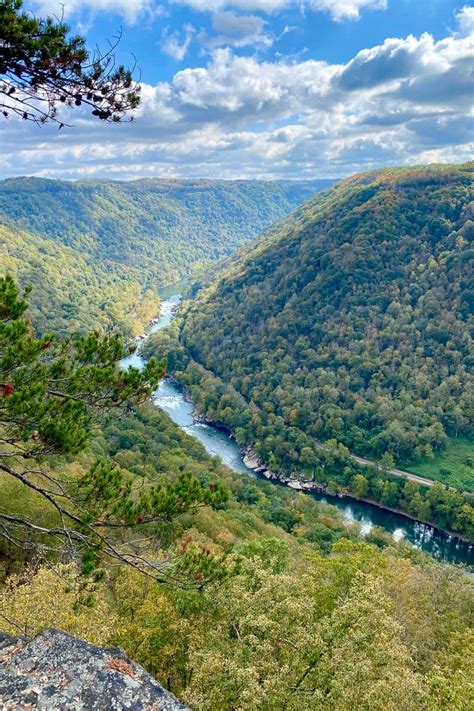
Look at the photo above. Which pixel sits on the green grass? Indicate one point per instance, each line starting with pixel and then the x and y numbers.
pixel 454 465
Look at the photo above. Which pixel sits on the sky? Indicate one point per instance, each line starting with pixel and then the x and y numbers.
pixel 265 89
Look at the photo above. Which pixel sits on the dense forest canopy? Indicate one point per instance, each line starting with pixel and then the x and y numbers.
pixel 272 600
pixel 278 602
pixel 70 290
pixel 309 616
pixel 350 321
pixel 99 250
pixel 353 318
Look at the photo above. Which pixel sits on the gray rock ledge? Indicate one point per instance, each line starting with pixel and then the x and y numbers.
pixel 55 671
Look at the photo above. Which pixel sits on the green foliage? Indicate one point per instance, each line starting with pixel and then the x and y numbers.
pixel 51 389
pixel 73 292
pixel 96 252
pixel 356 304
pixel 148 445
pixel 42 67
pixel 52 602
pixel 284 625
pixel 330 329
pixel 52 393
pixel 360 628
pixel 323 331
pixel 307 619
pixel 286 449
pixel 453 465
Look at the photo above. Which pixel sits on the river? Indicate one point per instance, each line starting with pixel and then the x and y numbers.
pixel 170 398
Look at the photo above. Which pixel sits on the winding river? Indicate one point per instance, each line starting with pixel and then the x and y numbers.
pixel 170 398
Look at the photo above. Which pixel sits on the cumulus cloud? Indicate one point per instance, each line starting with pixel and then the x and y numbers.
pixel 394 59
pixel 237 90
pixel 228 23
pixel 347 9
pixel 465 18
pixel 232 30
pixel 406 100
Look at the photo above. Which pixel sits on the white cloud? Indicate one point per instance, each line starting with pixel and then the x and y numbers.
pixel 337 9
pixel 174 46
pixel 266 6
pixel 406 100
pixel 395 59
pixel 347 9
pixel 229 23
pixel 131 10
pixel 234 30
pixel 465 19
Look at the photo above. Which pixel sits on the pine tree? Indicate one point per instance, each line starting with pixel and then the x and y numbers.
pixel 52 394
pixel 42 67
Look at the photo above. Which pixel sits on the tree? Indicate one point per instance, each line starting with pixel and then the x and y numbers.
pixel 43 603
pixel 262 637
pixel 365 664
pixel 41 67
pixel 52 393
pixel 387 462
pixel 465 520
pixel 308 457
pixel 360 486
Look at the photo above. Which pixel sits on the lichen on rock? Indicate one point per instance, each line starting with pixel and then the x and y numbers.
pixel 55 671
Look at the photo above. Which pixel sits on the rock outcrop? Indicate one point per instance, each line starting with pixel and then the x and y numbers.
pixel 55 671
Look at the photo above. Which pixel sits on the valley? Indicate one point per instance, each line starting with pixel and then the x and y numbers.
pixel 145 501
pixel 170 398
pixel 236 355
pixel 97 252
pixel 293 349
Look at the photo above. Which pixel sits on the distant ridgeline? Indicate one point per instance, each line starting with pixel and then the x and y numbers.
pixel 351 320
pixel 96 251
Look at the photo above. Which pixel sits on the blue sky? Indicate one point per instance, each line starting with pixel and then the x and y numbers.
pixel 294 31
pixel 267 88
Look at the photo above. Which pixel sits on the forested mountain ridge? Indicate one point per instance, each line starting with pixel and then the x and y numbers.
pixel 130 236
pixel 353 319
pixel 350 320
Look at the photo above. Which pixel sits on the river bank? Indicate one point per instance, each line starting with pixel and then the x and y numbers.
pixel 219 441
pixel 252 461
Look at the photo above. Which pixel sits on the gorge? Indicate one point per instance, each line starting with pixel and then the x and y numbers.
pixel 236 355
pixel 171 398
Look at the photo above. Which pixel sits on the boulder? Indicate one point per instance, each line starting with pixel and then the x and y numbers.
pixel 55 671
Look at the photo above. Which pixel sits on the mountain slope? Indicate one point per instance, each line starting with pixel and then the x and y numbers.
pixel 140 235
pixel 71 291
pixel 352 319
pixel 304 583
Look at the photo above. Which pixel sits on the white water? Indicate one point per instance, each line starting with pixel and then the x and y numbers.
pixel 170 398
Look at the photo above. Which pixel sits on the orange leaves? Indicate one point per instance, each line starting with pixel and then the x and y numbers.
pixel 7 389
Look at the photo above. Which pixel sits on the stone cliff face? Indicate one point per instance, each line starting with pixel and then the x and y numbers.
pixel 55 671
